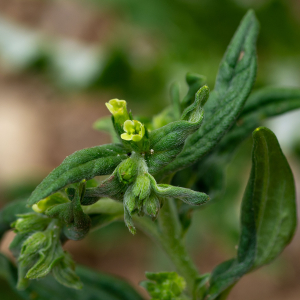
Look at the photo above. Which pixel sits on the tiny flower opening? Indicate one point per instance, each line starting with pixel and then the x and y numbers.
pixel 134 131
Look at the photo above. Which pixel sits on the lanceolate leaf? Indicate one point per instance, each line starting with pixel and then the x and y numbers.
pixel 268 217
pixel 186 195
pixel 167 142
pixel 233 84
pixel 112 188
pixel 83 164
pixel 262 104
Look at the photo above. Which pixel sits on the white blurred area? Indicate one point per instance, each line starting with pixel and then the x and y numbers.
pixel 74 63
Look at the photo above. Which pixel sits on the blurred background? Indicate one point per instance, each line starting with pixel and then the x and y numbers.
pixel 60 61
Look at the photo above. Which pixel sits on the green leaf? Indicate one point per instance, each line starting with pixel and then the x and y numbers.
pixel 273 197
pixel 83 164
pixel 95 286
pixel 112 188
pixel 168 141
pixel 264 103
pixel 234 82
pixel 268 217
pixel 186 195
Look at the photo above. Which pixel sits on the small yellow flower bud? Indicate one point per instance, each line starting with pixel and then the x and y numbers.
pixel 118 109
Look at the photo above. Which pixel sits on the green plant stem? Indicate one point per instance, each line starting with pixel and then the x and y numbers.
pixel 167 233
pixel 168 236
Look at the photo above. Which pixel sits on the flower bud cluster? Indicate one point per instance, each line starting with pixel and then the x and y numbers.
pixel 139 197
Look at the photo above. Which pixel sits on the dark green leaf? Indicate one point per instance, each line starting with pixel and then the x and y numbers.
pixel 112 188
pixel 273 197
pixel 233 84
pixel 262 104
pixel 83 164
pixel 168 141
pixel 186 195
pixel 268 217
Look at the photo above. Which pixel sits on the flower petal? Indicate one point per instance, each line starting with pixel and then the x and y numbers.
pixel 126 136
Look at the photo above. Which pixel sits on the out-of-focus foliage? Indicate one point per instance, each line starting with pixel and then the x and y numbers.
pixel 155 42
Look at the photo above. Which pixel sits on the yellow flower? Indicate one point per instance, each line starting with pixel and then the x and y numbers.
pixel 134 131
pixel 118 109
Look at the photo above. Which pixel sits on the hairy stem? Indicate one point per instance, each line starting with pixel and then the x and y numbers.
pixel 167 233
pixel 168 236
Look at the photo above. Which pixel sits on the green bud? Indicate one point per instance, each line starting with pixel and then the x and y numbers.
pixel 64 272
pixel 49 253
pixel 142 187
pixel 127 170
pixel 129 200
pixel 152 206
pixel 33 244
pixel 128 221
pixel 29 222
pixel 134 131
pixel 48 202
pixel 164 285
pixel 118 109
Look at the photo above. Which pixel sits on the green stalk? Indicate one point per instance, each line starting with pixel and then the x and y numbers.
pixel 168 236
pixel 167 233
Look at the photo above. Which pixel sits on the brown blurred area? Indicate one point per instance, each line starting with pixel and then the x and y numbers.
pixel 40 125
